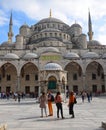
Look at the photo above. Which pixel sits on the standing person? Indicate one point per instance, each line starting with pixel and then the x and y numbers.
pixel 50 103
pixel 71 104
pixel 83 95
pixel 88 96
pixel 58 101
pixel 43 102
pixel 19 97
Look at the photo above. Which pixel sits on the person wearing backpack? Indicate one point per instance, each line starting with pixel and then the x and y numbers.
pixel 50 100
pixel 71 104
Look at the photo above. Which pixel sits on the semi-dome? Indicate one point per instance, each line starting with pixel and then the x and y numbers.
pixel 50 30
pixel 94 43
pixel 50 49
pixel 29 55
pixel 71 55
pixel 90 55
pixel 75 25
pixel 11 56
pixel 52 66
pixel 49 20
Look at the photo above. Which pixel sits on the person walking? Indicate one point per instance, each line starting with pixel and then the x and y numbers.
pixel 50 103
pixel 58 101
pixel 43 102
pixel 71 104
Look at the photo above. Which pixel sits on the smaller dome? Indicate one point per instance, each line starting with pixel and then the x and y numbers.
pixel 75 25
pixel 6 44
pixel 94 43
pixel 90 55
pixel 30 56
pixel 104 56
pixel 11 56
pixel 50 49
pixel 71 55
pixel 52 66
pixel 24 26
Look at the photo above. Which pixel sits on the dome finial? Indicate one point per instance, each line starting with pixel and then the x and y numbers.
pixel 50 13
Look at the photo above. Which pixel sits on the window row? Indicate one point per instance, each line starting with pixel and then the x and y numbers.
pixel 27 77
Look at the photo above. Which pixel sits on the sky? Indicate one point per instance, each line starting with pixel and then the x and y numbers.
pixel 69 11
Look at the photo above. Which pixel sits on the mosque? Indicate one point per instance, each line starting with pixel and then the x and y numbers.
pixel 52 55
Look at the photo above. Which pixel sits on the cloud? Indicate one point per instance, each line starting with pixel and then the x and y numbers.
pixel 68 11
pixel 36 9
pixel 3 19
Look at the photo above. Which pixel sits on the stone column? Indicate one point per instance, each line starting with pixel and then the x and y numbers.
pixel 18 84
pixel 105 81
pixel 84 82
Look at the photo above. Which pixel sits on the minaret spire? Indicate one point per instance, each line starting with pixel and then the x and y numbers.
pixel 90 32
pixel 10 33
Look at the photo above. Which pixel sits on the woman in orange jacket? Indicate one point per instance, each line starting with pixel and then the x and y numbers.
pixel 71 104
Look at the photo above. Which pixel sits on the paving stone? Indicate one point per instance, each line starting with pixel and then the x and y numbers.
pixel 26 115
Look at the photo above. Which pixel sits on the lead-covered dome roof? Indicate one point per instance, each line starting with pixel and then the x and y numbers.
pixel 71 55
pixel 90 55
pixel 49 20
pixel 75 25
pixel 30 55
pixel 94 43
pixel 50 30
pixel 11 56
pixel 51 49
pixel 24 26
pixel 52 66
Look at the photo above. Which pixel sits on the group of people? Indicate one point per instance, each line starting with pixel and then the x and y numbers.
pixel 85 94
pixel 45 99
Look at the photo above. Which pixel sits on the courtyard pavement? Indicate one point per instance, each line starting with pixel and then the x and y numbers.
pixel 26 115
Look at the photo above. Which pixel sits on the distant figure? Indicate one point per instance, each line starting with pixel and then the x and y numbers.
pixel 88 97
pixel 50 103
pixel 19 97
pixel 83 94
pixel 15 96
pixel 71 104
pixel 43 102
pixel 58 101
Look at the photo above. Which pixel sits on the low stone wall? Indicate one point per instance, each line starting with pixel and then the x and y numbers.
pixel 3 127
pixel 104 125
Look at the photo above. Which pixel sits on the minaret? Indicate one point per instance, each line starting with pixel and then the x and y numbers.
pixel 90 33
pixel 10 33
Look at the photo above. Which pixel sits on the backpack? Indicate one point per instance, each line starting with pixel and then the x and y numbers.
pixel 52 98
pixel 75 101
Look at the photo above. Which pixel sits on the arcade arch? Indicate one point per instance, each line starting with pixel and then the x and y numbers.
pixel 29 79
pixel 8 78
pixel 74 76
pixel 95 77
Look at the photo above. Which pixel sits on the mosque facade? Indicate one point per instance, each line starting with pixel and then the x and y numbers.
pixel 52 55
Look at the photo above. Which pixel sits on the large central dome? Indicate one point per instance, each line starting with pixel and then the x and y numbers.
pixel 49 20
